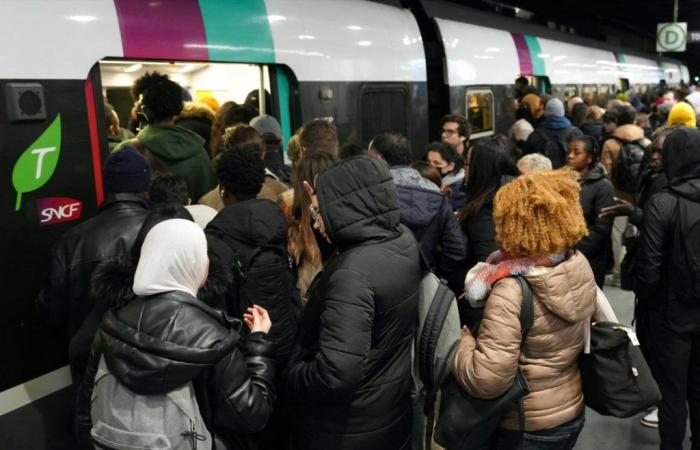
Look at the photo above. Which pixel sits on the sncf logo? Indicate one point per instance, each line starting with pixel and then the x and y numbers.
pixel 58 209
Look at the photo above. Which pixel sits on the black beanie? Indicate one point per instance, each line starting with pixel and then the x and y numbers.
pixel 126 170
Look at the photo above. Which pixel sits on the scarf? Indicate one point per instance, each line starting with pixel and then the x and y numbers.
pixel 173 258
pixel 498 265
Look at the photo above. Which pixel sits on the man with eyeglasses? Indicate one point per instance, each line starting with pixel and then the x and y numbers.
pixel 455 130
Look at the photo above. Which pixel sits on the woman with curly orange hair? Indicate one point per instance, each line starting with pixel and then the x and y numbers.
pixel 538 222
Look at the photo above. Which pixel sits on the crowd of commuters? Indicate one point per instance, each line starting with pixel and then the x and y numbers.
pixel 284 299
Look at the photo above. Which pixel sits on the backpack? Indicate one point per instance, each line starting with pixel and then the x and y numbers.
pixel 125 420
pixel 265 275
pixel 556 149
pixel 629 164
pixel 435 342
pixel 466 422
pixel 685 276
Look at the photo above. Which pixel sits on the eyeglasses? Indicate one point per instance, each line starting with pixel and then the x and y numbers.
pixel 315 213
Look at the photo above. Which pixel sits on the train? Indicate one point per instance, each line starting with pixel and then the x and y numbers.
pixel 367 66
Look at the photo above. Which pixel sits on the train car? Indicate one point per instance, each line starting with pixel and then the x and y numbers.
pixel 483 54
pixel 367 66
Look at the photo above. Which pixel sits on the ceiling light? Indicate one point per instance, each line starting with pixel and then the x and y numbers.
pixel 82 19
pixel 354 27
pixel 133 68
pixel 364 43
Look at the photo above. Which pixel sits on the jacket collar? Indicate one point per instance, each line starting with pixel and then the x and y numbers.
pixel 122 197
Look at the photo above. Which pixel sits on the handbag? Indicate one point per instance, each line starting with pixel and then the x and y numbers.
pixel 616 378
pixel 466 422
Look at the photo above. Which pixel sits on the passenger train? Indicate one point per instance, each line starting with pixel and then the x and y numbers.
pixel 367 66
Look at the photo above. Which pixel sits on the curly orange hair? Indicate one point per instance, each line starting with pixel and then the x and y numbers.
pixel 539 214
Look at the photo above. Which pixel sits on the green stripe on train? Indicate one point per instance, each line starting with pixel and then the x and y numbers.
pixel 237 31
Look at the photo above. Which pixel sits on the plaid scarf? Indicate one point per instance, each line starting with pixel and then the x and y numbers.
pixel 499 265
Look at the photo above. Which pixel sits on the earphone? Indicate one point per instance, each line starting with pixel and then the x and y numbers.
pixel 222 193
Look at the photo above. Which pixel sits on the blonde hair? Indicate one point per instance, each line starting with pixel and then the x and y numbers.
pixel 539 214
pixel 534 162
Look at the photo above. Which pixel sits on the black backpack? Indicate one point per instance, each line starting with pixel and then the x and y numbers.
pixel 266 276
pixel 685 276
pixel 629 164
pixel 556 149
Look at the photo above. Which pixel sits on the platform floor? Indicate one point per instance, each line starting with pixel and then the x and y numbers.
pixel 609 433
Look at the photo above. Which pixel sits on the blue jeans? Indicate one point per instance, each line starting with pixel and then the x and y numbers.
pixel 562 437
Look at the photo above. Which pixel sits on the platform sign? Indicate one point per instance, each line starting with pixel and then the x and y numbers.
pixel 693 36
pixel 671 37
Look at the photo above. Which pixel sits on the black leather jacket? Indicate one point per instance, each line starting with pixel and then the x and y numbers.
pixel 64 301
pixel 157 343
pixel 351 378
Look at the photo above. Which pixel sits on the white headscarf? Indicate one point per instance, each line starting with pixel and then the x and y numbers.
pixel 173 258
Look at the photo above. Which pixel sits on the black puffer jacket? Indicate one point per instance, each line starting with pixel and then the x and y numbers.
pixel 597 192
pixel 106 237
pixel 351 378
pixel 427 212
pixel 660 280
pixel 243 229
pixel 158 343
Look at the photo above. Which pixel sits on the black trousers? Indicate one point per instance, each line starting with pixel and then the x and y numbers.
pixel 670 339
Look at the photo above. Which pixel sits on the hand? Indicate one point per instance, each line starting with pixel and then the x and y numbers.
pixel 257 319
pixel 620 208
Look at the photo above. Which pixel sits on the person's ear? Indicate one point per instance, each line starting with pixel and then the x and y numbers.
pixel 222 193
pixel 189 201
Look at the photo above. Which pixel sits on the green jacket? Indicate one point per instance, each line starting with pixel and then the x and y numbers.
pixel 181 152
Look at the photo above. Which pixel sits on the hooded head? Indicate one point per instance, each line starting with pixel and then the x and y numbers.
pixel 554 108
pixel 173 258
pixel 681 156
pixel 682 114
pixel 357 201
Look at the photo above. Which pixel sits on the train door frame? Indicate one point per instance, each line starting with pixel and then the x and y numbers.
pixel 622 84
pixel 281 78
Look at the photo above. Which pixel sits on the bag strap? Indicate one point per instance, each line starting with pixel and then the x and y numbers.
pixel 527 317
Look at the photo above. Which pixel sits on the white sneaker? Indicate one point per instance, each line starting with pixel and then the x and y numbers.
pixel 651 420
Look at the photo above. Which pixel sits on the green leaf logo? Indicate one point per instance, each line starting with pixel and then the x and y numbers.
pixel 36 165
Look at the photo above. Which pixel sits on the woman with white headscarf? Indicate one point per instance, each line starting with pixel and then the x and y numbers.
pixel 166 338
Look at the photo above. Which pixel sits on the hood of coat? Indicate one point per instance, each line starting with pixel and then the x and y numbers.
pixel 255 222
pixel 155 348
pixel 358 201
pixel 420 200
pixel 681 153
pixel 172 143
pixel 568 290
pixel 595 174
pixel 629 133
pixel 556 122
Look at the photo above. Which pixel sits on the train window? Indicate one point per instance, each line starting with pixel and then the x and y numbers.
pixel 384 108
pixel 570 91
pixel 480 112
pixel 623 84
pixel 589 94
pixel 603 95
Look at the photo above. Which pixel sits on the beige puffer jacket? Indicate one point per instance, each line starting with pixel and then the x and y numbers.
pixel 564 299
pixel 611 153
